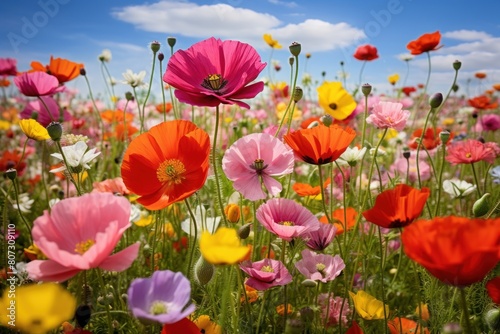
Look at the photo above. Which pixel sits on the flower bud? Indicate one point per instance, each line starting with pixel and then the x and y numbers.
pixel 11 174
pixel 155 46
pixel 171 41
pixel 481 206
pixel 110 298
pixel 161 56
pixel 444 136
pixel 294 326
pixel 232 212
pixel 436 100
pixel 492 319
pixel 406 154
pixel 83 72
pixel 455 88
pixel 291 60
pixel 55 131
pixel 129 96
pixel 366 89
pixel 327 119
pixel 295 49
pixel 203 271
pixel 456 65
pixel 82 315
pixel 297 94
pixel 309 283
pixel 244 231
pixel 452 328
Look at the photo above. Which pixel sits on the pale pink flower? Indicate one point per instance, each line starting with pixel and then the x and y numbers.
pixel 322 237
pixel 80 233
pixel 400 167
pixel 387 115
pixel 319 267
pixel 265 274
pixel 470 151
pixel 334 310
pixel 37 84
pixel 286 218
pixel 256 158
pixel 114 186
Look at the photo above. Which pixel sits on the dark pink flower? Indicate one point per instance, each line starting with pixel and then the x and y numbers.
pixel 265 274
pixel 37 84
pixel 322 237
pixel 212 72
pixel 488 122
pixel 41 109
pixel 470 151
pixel 8 66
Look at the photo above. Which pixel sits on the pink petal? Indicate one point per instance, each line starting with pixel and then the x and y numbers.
pixel 121 260
pixel 49 271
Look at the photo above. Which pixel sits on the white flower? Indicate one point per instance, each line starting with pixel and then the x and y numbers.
pixel 406 56
pixel 25 203
pixel 134 79
pixel 77 157
pixel 105 55
pixel 351 156
pixel 457 188
pixel 203 223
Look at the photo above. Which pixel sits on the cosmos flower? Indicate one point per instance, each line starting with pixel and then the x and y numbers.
pixel 212 72
pixel 77 157
pixel 134 79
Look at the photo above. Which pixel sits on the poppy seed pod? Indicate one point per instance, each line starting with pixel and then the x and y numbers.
pixel 297 94
pixel 55 131
pixel 155 46
pixel 366 89
pixel 327 119
pixel 295 49
pixel 161 56
pixel 456 65
pixel 11 174
pixel 171 41
pixel 83 72
pixel 436 100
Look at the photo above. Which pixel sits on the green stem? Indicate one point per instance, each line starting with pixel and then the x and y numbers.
pixel 149 90
pixel 68 168
pixel 163 91
pixel 417 105
pixel 476 180
pixel 103 289
pixel 440 178
pixel 191 255
pixel 215 166
pixel 382 256
pixel 465 312
pixel 174 105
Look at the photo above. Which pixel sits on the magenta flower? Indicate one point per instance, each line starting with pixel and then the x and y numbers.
pixel 319 267
pixel 257 158
pixel 212 72
pixel 266 273
pixel 322 237
pixel 8 66
pixel 41 109
pixel 388 115
pixel 488 122
pixel 80 233
pixel 165 297
pixel 37 84
pixel 286 218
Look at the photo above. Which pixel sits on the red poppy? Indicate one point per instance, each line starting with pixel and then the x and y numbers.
pixel 184 326
pixel 166 164
pixel 408 90
pixel 12 159
pixel 64 70
pixel 320 144
pixel 397 207
pixel 366 52
pixel 493 287
pixel 482 102
pixel 354 329
pixel 456 250
pixel 405 326
pixel 4 82
pixel 425 43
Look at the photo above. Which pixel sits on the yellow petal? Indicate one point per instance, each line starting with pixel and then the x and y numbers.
pixel 33 129
pixel 223 247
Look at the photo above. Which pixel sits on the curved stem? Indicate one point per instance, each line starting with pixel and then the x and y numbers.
pixel 476 180
pixel 163 92
pixel 191 255
pixel 149 90
pixel 215 166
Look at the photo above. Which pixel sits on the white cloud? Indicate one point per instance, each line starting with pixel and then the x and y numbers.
pixel 290 4
pixel 467 35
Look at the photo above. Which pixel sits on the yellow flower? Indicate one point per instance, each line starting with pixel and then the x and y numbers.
pixel 280 112
pixel 393 78
pixel 335 100
pixel 391 133
pixel 4 125
pixel 448 121
pixel 36 308
pixel 223 247
pixel 145 220
pixel 207 326
pixel 33 129
pixel 272 42
pixel 367 306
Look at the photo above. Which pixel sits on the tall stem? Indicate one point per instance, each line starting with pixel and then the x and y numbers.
pixel 465 312
pixel 149 90
pixel 215 166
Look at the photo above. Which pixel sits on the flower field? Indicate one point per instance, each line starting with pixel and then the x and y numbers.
pixel 224 202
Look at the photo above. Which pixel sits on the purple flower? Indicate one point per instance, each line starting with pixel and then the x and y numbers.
pixel 265 274
pixel 165 297
pixel 257 158
pixel 43 115
pixel 322 237
pixel 286 218
pixel 319 267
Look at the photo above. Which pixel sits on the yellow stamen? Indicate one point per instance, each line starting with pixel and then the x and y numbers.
pixel 170 171
pixel 468 155
pixel 158 307
pixel 84 246
pixel 268 269
pixel 287 223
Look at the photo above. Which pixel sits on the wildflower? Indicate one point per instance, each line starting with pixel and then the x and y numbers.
pixel 39 308
pixel 458 188
pixel 161 108
pixel 280 309
pixel 430 140
pixel 33 130
pixel 272 42
pixel 222 247
pixel 408 90
pixel 388 115
pixel 251 294
pixel 488 122
pixel 422 311
pixel 207 326
pixel 351 156
pixel 37 84
pixel 495 174
pixel 77 157
pixel 134 79
pixel 321 144
pixel 202 221
pixel 339 218
pixel 23 202
pixel 405 326
pixel 319 267
pixel 393 79
pixel 45 111
pixel 222 73
pixel 425 43
pixel 254 160
pixel 12 159
pixel 232 212
pixel 470 151
pixel 75 238
pixel 184 326
pixel 320 239
pixel 305 189
pixel 64 70
pixel 265 274
pixel 334 310
pixel 165 297
pixel 286 218
pixel 335 100
pixel 8 66
pixel 449 251
pixel 367 306
pixel 402 166
pixel 366 52
pixel 493 288
pixel 163 169
pixel 482 102
pixel 397 207
pixel 105 56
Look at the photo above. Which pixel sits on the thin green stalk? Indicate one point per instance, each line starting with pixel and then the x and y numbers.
pixel 295 75
pixel 440 178
pixel 46 108
pixel 99 275
pixel 191 255
pixel 382 256
pixel 163 90
pixel 111 86
pixel 465 312
pixel 149 90
pixel 417 105
pixel 174 104
pixel 476 180
pixel 419 145
pixel 215 166
pixel 68 168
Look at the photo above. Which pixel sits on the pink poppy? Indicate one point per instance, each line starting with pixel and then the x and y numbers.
pixel 388 115
pixel 43 116
pixel 265 274
pixel 8 66
pixel 400 167
pixel 319 267
pixel 322 237
pixel 488 122
pixel 470 151
pixel 254 160
pixel 37 84
pixel 80 233
pixel 287 218
pixel 212 72
pixel 114 186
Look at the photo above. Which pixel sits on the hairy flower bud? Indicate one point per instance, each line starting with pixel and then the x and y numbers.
pixel 297 94
pixel 203 271
pixel 55 131
pixel 481 206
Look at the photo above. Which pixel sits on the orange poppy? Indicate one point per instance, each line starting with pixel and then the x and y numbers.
pixel 459 251
pixel 338 219
pixel 405 326
pixel 112 116
pixel 166 164
pixel 184 326
pixel 305 189
pixel 425 43
pixel 321 144
pixel 4 82
pixel 480 75
pixel 168 106
pixel 64 70
pixel 496 87
pixel 430 140
pixel 120 132
pixel 397 207
pixel 482 102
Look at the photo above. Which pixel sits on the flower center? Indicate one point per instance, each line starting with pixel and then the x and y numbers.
pixel 333 106
pixel 320 267
pixel 468 155
pixel 171 171
pixel 158 307
pixel 214 82
pixel 84 246
pixel 258 165
pixel 268 269
pixel 286 223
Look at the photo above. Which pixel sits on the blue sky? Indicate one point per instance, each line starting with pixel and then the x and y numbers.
pixel 330 30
